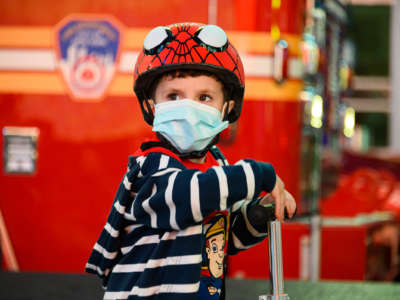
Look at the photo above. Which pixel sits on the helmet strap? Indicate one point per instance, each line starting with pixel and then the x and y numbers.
pixel 148 109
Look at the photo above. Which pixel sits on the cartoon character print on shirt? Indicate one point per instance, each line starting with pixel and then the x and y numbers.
pixel 214 251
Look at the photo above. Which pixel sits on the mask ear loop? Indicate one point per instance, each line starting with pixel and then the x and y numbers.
pixel 224 116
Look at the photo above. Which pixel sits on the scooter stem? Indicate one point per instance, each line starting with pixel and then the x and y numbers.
pixel 275 263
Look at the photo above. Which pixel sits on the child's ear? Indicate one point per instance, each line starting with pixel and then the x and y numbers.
pixel 231 105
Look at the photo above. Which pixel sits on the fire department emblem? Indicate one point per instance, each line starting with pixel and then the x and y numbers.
pixel 87 55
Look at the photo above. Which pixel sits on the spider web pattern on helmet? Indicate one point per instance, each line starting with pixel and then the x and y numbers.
pixel 185 49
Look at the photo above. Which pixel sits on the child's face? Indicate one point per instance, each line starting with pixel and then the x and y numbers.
pixel 204 89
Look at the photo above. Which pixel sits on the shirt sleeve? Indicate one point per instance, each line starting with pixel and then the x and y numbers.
pixel 243 233
pixel 169 196
pixel 106 251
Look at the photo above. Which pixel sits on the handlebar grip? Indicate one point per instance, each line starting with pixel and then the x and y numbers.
pixel 260 214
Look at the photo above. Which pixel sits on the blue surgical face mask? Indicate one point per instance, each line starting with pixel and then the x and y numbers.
pixel 187 124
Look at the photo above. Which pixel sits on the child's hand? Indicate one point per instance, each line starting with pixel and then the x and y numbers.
pixel 282 199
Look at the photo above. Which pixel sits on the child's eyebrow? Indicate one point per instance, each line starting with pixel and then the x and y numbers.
pixel 206 90
pixel 172 90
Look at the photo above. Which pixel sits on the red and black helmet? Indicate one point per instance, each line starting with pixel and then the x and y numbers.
pixel 191 46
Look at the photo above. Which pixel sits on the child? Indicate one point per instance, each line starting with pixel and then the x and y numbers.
pixel 180 208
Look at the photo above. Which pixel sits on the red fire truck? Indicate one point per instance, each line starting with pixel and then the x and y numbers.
pixel 70 119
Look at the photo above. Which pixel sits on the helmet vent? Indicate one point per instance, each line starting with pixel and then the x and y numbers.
pixel 156 39
pixel 212 35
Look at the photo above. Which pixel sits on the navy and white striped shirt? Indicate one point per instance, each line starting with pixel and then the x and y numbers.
pixel 151 245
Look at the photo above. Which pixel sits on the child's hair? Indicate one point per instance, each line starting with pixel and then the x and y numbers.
pixel 189 73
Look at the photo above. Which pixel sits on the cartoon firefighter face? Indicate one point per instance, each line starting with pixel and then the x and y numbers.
pixel 214 247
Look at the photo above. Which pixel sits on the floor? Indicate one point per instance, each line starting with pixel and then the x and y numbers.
pixel 44 286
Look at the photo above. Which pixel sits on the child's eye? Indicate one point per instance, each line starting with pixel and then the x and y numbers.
pixel 173 96
pixel 205 97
